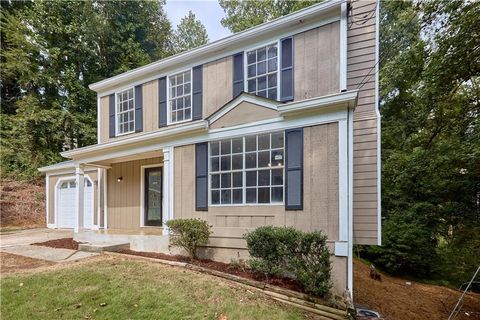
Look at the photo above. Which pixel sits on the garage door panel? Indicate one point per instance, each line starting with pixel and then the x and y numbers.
pixel 67 204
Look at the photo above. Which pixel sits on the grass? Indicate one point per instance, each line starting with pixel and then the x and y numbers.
pixel 112 288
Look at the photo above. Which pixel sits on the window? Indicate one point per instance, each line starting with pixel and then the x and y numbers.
pixel 125 111
pixel 262 75
pixel 247 170
pixel 180 98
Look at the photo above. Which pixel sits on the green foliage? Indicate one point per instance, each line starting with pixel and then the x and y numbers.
pixel 429 81
pixel 286 250
pixel 190 33
pixel 242 14
pixel 189 234
pixel 50 53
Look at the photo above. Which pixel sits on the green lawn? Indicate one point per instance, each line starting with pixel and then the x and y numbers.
pixel 113 288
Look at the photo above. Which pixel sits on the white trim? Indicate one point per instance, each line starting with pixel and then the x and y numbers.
pixel 343 180
pixel 349 98
pixel 263 102
pixel 117 124
pixel 341 248
pixel 142 191
pixel 169 110
pixel 276 124
pixel 47 202
pixel 307 18
pixel 350 204
pixel 168 187
pixel 57 184
pixel 379 129
pixel 245 66
pixel 343 46
pixel 98 119
pixel 105 199
pixel 99 203
pixel 162 133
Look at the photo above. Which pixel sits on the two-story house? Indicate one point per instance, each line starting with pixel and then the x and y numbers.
pixel 275 125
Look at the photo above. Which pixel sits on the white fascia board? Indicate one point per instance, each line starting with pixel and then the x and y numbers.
pixel 294 19
pixel 142 138
pixel 348 98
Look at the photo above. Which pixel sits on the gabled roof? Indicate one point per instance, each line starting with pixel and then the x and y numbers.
pixel 240 98
pixel 296 20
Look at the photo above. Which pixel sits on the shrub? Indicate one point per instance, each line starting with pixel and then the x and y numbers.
pixel 189 234
pixel 285 250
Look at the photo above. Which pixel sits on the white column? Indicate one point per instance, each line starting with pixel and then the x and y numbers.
pixel 343 47
pixel 167 206
pixel 79 208
pixel 105 199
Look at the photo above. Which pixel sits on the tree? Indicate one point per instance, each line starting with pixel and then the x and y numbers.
pixel 51 52
pixel 190 33
pixel 242 14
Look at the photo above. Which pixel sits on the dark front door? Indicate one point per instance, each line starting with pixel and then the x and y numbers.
pixel 153 196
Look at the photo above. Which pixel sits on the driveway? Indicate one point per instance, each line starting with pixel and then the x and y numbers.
pixel 19 243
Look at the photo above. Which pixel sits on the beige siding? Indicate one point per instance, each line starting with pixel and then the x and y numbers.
pixel 360 66
pixel 150 106
pixel 123 197
pixel 317 61
pixel 217 85
pixel 51 192
pixel 230 223
pixel 245 112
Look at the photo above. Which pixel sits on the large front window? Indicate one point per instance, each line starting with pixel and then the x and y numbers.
pixel 125 111
pixel 262 75
pixel 247 170
pixel 180 97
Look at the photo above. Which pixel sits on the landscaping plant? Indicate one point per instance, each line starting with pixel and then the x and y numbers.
pixel 285 251
pixel 189 234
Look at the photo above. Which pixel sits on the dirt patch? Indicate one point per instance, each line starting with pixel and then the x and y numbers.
pixel 22 203
pixel 12 263
pixel 64 243
pixel 222 267
pixel 396 300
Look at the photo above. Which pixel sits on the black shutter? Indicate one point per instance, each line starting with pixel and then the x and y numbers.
pixel 286 69
pixel 201 176
pixel 138 109
pixel 294 169
pixel 238 85
pixel 197 93
pixel 162 102
pixel 111 115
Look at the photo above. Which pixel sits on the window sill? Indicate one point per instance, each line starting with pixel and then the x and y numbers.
pixel 282 204
pixel 124 134
pixel 178 122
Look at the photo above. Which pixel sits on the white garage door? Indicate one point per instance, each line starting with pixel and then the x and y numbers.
pixel 66 204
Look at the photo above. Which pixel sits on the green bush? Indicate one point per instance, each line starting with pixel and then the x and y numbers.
pixel 285 250
pixel 189 234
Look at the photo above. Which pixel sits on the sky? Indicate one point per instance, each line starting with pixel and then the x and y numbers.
pixel 208 12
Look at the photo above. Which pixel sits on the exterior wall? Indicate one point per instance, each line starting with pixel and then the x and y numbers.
pixel 51 193
pixel 217 85
pixel 245 112
pixel 123 198
pixel 231 222
pixel 317 62
pixel 103 118
pixel 360 67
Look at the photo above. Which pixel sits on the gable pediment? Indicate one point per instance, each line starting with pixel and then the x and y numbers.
pixel 246 108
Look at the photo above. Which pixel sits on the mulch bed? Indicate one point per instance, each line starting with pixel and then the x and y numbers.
pixel 64 243
pixel 286 283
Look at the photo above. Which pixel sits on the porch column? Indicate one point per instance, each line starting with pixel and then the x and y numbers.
pixel 79 208
pixel 167 213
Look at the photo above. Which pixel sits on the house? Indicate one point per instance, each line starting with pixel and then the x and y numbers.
pixel 275 125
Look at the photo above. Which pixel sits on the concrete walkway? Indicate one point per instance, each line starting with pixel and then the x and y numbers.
pixel 19 243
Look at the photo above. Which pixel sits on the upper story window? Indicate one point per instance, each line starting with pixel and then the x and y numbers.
pixel 125 111
pixel 262 71
pixel 180 97
pixel 247 170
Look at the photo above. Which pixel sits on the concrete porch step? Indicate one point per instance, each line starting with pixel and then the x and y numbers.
pixel 103 246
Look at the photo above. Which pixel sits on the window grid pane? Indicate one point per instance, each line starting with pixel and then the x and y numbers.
pixel 262 70
pixel 125 111
pixel 247 170
pixel 180 99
